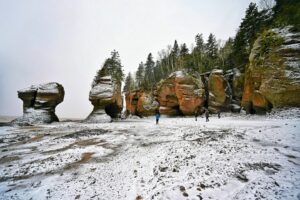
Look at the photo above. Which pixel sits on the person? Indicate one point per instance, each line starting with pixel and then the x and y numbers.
pixel 157 116
pixel 207 115
pixel 219 114
pixel 196 114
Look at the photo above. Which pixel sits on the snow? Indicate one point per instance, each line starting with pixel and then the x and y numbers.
pixel 178 74
pixel 235 157
pixel 51 87
pixel 102 91
pixel 217 71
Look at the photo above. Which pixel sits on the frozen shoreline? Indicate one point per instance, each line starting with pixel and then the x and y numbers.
pixel 235 157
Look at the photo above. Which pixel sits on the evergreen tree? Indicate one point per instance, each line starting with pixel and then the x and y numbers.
pixel 175 55
pixel 149 73
pixel 251 25
pixel 225 55
pixel 140 75
pixel 129 83
pixel 183 56
pixel 198 54
pixel 287 12
pixel 211 46
pixel 199 43
pixel 211 50
pixel 184 50
pixel 112 66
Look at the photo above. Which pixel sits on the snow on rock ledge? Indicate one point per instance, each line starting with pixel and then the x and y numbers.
pixel 39 102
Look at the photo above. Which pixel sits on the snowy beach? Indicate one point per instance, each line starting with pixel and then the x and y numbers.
pixel 234 157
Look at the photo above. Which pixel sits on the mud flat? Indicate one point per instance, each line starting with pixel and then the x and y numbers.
pixel 235 157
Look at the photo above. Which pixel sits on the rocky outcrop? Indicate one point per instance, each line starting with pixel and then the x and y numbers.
pixel 273 76
pixel 236 81
pixel 106 98
pixel 180 94
pixel 141 103
pixel 219 92
pixel 39 102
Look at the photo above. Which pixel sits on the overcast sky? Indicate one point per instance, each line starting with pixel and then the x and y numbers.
pixel 67 41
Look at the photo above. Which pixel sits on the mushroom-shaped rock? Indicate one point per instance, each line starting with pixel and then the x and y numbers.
pixel 219 92
pixel 106 98
pixel 273 76
pixel 180 93
pixel 39 102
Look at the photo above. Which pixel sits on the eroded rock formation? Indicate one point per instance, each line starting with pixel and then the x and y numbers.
pixel 273 76
pixel 106 98
pixel 236 81
pixel 39 102
pixel 141 103
pixel 180 94
pixel 219 92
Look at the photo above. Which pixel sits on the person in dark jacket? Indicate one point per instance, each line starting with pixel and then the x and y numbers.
pixel 157 116
pixel 219 114
pixel 206 115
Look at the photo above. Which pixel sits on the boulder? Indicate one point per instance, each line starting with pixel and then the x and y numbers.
pixel 39 102
pixel 180 93
pixel 141 103
pixel 273 76
pixel 219 92
pixel 147 104
pixel 106 98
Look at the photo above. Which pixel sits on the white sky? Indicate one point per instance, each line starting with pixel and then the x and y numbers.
pixel 67 41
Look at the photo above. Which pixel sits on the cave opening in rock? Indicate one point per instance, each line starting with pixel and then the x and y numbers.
pixel 178 111
pixel 251 109
pixel 112 110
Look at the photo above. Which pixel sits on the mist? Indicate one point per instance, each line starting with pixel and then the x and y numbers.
pixel 67 41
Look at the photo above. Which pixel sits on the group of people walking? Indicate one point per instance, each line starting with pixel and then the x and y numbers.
pixel 197 112
pixel 206 113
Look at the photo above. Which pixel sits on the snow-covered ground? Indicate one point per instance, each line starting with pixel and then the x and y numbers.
pixel 235 157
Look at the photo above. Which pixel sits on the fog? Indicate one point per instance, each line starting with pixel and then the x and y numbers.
pixel 66 41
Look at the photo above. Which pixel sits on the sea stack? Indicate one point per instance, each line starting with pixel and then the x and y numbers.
pixel 106 98
pixel 39 103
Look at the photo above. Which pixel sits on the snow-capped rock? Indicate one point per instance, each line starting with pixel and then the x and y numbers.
pixel 39 102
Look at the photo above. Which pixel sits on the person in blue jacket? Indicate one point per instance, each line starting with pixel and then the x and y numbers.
pixel 157 116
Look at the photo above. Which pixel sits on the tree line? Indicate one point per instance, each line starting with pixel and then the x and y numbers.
pixel 205 55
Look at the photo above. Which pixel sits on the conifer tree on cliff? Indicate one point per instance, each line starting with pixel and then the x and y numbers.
pixel 149 73
pixel 211 51
pixel 198 53
pixel 140 75
pixel 287 12
pixel 112 66
pixel 183 56
pixel 250 26
pixel 175 55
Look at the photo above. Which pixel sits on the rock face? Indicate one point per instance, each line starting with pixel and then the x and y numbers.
pixel 219 92
pixel 273 76
pixel 236 81
pixel 106 98
pixel 39 102
pixel 140 103
pixel 180 94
